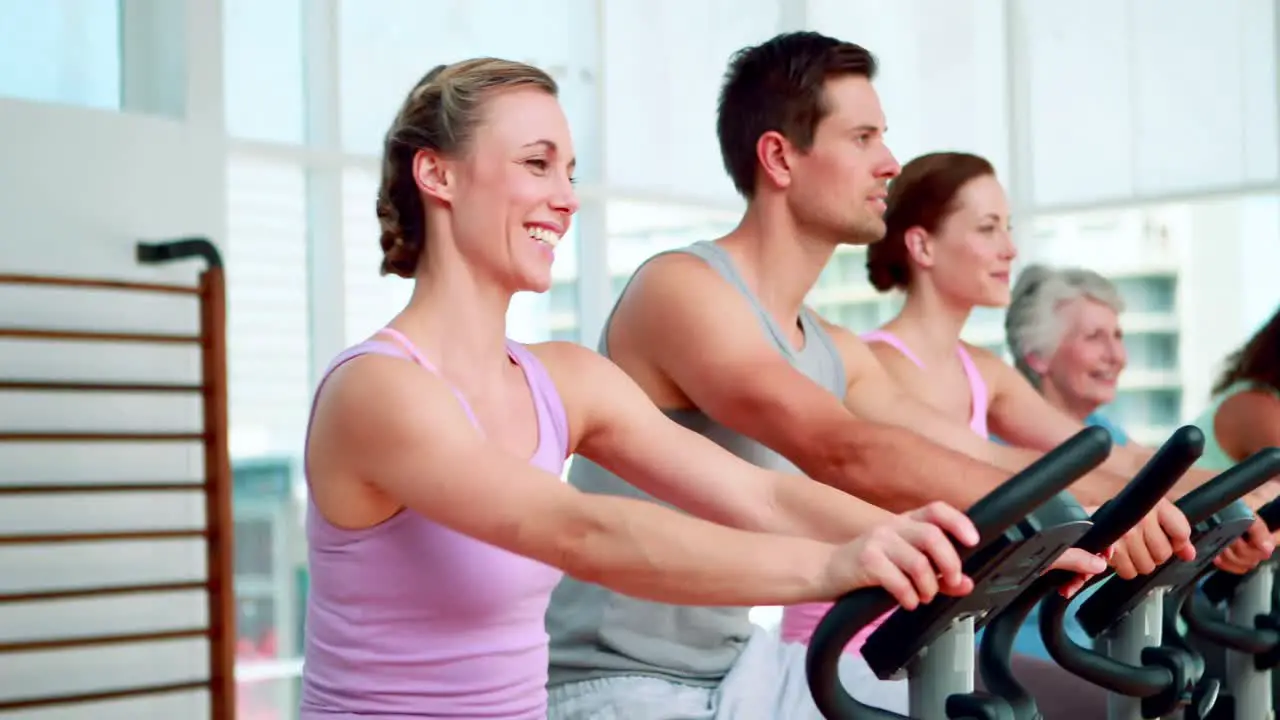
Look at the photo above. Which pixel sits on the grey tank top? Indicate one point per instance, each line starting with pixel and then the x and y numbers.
pixel 597 633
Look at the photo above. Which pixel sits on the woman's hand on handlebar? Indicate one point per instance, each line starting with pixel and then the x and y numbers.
pixel 910 556
pixel 1246 553
pixel 1084 564
pixel 1162 534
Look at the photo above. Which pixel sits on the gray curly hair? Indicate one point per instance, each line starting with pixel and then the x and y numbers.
pixel 1033 324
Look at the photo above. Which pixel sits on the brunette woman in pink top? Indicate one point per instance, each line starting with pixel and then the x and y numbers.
pixel 437 522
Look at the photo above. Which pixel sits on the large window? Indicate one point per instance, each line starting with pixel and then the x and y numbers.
pixel 61 51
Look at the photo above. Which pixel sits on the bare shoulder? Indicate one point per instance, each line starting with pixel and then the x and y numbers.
pixel 678 284
pixel 568 362
pixel 670 267
pixel 375 393
pixel 1252 407
pixel 585 382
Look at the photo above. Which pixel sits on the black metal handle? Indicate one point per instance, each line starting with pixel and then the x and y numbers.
pixel 1110 523
pixel 179 249
pixel 1201 621
pixel 1230 485
pixel 992 516
pixel 1046 477
pixel 1153 482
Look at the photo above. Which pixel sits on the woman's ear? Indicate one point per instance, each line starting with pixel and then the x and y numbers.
pixel 1038 364
pixel 433 175
pixel 919 246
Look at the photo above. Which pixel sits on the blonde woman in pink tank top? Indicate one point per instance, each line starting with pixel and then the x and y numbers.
pixel 437 523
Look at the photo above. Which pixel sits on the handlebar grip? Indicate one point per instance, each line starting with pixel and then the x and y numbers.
pixel 1140 495
pixel 1051 474
pixel 1244 477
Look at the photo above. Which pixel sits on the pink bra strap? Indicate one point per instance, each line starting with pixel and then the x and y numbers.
pixel 421 359
pixel 977 388
pixel 889 338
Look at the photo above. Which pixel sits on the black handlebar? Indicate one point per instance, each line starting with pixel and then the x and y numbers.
pixel 1046 477
pixel 1233 483
pixel 1110 523
pixel 995 513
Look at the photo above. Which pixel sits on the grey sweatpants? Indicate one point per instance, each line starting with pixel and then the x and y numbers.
pixel 768 683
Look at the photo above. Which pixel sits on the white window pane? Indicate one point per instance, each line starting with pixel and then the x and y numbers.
pixel 844 296
pixel 262 65
pixel 663 67
pixel 1144 97
pixel 267 325
pixel 386 46
pixel 942 70
pixel 1080 100
pixel 370 299
pixel 1191 99
pixel 62 51
pixel 640 230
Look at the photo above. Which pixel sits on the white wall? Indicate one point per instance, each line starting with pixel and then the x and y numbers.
pixel 77 189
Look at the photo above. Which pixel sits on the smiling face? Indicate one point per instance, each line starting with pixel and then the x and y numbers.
pixel 510 192
pixel 968 258
pixel 1090 356
pixel 839 184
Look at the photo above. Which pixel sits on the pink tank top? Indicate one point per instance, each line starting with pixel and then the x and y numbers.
pixel 409 619
pixel 799 621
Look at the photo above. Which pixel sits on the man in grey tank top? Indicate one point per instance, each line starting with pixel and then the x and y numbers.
pixel 718 336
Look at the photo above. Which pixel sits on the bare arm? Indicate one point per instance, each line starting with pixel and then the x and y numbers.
pixel 1248 422
pixel 684 319
pixel 879 390
pixel 624 432
pixel 399 429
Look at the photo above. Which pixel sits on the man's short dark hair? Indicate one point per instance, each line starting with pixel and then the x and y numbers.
pixel 778 85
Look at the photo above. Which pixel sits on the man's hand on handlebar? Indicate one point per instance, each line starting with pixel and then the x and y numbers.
pixel 1246 553
pixel 910 556
pixel 1162 534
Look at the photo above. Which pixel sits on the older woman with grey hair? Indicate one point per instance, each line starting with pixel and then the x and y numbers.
pixel 1063 329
